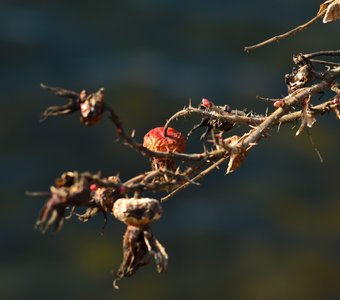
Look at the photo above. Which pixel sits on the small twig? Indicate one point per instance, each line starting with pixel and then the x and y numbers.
pixel 285 35
pixel 38 194
pixel 198 177
pixel 322 53
pixel 324 62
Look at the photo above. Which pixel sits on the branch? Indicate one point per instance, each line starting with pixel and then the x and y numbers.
pixel 171 171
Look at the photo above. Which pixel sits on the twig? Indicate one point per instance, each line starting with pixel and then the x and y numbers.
pixel 198 177
pixel 328 63
pixel 285 35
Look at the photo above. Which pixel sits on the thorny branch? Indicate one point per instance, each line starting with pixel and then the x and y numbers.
pixel 172 168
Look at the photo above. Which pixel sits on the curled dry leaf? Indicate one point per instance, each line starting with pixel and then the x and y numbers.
pixel 91 107
pixel 331 9
pixel 237 153
pixel 299 77
pixel 307 116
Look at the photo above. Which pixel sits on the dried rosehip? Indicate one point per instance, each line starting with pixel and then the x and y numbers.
pixel 139 243
pixel 91 107
pixel 156 140
pixel 137 211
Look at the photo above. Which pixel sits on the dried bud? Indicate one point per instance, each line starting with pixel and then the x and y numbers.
pixel 156 140
pixel 205 103
pixel 137 211
pixel 336 101
pixel 279 103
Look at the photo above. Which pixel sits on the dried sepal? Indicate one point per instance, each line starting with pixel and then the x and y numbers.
pixel 237 153
pixel 91 106
pixel 139 246
pixel 307 116
pixel 71 189
pixel 137 211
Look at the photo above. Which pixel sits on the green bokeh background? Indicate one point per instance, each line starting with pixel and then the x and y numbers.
pixel 271 230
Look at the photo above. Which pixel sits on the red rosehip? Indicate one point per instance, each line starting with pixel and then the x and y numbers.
pixel 156 140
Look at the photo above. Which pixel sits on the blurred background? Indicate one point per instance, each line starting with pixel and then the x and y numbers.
pixel 271 230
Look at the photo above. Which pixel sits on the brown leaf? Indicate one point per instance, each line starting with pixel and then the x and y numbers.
pixel 237 153
pixel 235 161
pixel 307 117
pixel 332 10
pixel 299 77
pixel 324 6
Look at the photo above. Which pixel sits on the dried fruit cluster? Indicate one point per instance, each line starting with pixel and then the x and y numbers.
pixel 172 169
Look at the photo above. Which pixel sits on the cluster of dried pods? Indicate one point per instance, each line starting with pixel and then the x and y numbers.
pixel 172 169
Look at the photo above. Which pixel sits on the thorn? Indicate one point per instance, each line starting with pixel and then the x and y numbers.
pixel 205 150
pixel 38 194
pixel 133 133
pixel 190 104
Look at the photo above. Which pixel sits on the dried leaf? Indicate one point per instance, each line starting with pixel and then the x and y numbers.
pixel 237 153
pixel 299 77
pixel 332 12
pixel 235 161
pixel 307 117
pixel 324 6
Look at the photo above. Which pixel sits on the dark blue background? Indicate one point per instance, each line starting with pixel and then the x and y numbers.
pixel 271 230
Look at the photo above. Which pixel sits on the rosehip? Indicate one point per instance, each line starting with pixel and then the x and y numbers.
pixel 156 140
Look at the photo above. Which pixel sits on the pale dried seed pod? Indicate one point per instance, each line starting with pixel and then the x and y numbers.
pixel 137 211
